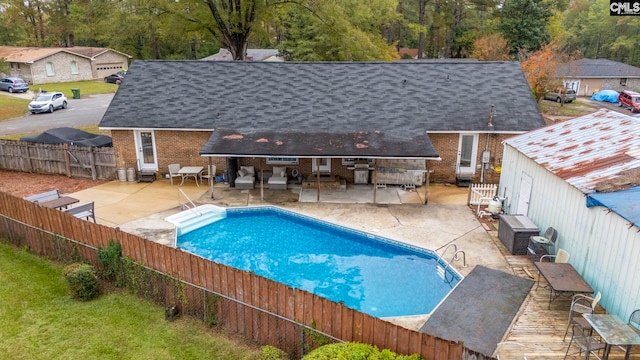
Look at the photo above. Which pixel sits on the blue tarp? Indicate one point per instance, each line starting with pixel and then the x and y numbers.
pixel 606 95
pixel 625 203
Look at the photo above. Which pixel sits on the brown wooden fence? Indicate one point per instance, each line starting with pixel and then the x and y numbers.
pixel 73 161
pixel 260 309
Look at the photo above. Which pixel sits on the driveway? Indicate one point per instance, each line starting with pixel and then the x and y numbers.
pixel 87 110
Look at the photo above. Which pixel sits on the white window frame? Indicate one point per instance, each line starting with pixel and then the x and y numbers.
pixel 74 68
pixel 51 71
pixel 352 161
pixel 282 161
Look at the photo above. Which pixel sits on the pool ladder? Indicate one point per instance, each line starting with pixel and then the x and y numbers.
pixel 442 271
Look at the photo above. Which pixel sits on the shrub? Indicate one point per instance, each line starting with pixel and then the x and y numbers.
pixel 82 280
pixel 110 259
pixel 355 351
pixel 269 352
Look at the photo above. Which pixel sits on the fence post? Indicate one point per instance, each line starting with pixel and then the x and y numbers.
pixel 92 162
pixel 67 162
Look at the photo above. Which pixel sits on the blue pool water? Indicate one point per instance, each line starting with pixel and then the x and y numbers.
pixel 374 275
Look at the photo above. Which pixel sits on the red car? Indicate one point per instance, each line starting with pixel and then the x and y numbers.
pixel 629 99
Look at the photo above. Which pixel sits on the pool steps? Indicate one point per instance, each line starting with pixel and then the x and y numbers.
pixel 197 217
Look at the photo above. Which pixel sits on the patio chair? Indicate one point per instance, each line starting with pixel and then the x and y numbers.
pixel 209 174
pixel 173 172
pixel 581 304
pixel 542 245
pixel 509 350
pixel 561 257
pixel 279 178
pixel 586 343
pixel 634 322
pixel 246 178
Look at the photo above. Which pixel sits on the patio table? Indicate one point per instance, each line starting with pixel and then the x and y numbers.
pixel 562 278
pixel 613 331
pixel 190 171
pixel 62 202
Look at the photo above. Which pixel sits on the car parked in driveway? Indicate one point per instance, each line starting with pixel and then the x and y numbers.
pixel 629 99
pixel 13 84
pixel 116 78
pixel 48 102
pixel 561 95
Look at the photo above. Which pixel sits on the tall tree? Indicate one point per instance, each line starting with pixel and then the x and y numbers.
pixel 491 47
pixel 343 30
pixel 540 66
pixel 523 23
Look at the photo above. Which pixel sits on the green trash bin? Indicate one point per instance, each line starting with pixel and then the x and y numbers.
pixel 76 93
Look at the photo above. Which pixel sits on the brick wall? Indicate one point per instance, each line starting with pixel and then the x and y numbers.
pixel 447 147
pixel 62 69
pixel 183 147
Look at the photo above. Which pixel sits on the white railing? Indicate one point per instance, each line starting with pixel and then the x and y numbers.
pixel 186 205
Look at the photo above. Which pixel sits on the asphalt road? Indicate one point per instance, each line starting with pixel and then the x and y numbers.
pixel 87 110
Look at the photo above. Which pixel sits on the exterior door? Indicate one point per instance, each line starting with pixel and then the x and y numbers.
pixel 467 153
pixel 146 151
pixel 325 165
pixel 524 195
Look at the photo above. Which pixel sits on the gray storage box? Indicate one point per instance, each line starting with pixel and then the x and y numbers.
pixel 514 231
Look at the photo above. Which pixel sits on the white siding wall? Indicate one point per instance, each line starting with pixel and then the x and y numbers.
pixel 604 248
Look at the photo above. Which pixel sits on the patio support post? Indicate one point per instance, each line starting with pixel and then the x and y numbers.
pixel 375 182
pixel 211 176
pixel 318 178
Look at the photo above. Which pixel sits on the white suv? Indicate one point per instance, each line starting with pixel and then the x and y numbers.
pixel 48 102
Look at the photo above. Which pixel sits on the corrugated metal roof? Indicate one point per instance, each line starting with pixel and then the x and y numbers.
pixel 585 151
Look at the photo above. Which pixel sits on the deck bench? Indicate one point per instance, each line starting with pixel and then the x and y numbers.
pixel 42 197
pixel 84 211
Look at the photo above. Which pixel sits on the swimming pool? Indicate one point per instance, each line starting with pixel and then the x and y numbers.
pixel 372 274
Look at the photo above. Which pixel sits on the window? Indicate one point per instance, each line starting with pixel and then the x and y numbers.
pixel 74 68
pixel 352 161
pixel 282 161
pixel 623 81
pixel 50 70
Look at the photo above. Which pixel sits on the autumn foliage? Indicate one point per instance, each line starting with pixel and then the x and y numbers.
pixel 491 47
pixel 540 66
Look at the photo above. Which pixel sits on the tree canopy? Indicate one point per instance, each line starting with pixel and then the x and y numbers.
pixel 321 30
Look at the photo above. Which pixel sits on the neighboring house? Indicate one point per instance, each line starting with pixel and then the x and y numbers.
pixel 52 65
pixel 408 53
pixel 587 76
pixel 582 177
pixel 252 55
pixel 446 119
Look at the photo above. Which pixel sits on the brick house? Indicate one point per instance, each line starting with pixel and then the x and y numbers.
pixel 587 76
pixel 53 65
pixel 443 118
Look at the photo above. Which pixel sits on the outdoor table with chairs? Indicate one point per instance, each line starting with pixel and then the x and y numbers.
pixel 614 332
pixel 190 171
pixel 562 278
pixel 62 202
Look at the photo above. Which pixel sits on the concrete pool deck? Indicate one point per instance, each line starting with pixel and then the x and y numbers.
pixel 140 208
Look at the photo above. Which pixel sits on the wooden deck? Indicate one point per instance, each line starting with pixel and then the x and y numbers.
pixel 538 328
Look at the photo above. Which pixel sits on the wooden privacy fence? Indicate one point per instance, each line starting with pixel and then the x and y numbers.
pixel 60 159
pixel 257 308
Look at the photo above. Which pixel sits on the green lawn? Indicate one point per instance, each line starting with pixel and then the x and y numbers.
pixel 39 320
pixel 13 107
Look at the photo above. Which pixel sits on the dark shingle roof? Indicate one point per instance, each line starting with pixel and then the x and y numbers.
pixel 364 109
pixel 401 96
pixel 597 68
pixel 360 144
